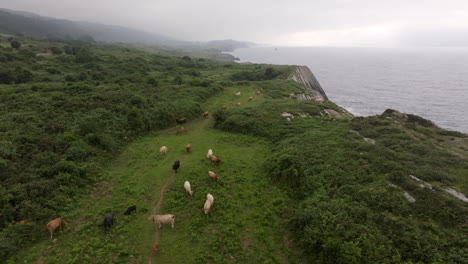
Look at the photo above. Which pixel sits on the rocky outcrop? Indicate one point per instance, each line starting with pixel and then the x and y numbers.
pixel 221 57
pixel 302 74
pixel 410 118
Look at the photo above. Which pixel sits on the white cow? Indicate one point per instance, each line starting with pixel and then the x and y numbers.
pixel 210 198
pixel 207 206
pixel 209 154
pixel 163 150
pixel 187 187
pixel 163 219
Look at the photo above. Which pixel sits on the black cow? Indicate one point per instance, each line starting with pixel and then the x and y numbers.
pixel 108 221
pixel 130 210
pixel 176 166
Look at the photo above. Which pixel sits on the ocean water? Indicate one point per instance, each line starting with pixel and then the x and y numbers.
pixel 432 83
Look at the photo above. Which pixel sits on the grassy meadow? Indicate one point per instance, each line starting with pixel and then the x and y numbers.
pixel 137 176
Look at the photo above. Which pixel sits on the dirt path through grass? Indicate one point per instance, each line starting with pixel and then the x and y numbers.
pixel 157 236
pixel 155 210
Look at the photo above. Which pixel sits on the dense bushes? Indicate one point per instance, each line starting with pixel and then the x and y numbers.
pixel 257 74
pixel 55 136
pixel 349 204
pixel 349 214
pixel 19 75
pixel 266 120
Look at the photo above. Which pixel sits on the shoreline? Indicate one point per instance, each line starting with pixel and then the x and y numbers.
pixel 412 89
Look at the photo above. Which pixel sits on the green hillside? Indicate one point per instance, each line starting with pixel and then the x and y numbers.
pixel 31 25
pixel 80 135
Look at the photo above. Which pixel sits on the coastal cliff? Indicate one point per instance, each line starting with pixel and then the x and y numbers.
pixel 302 74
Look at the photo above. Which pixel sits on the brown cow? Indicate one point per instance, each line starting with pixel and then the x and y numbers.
pixel 52 225
pixel 258 92
pixel 155 248
pixel 212 175
pixel 251 98
pixel 224 107
pixel 181 121
pixel 180 131
pixel 188 147
pixel 215 159
pixel 205 114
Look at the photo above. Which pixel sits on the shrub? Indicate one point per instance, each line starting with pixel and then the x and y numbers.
pixel 23 75
pixel 6 76
pixel 152 81
pixel 70 78
pixel 56 50
pixel 85 55
pixel 15 44
pixel 178 80
pixel 451 133
pixel 53 71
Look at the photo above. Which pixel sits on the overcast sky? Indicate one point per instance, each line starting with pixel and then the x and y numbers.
pixel 380 23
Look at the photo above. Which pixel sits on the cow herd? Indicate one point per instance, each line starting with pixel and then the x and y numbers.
pixel 159 220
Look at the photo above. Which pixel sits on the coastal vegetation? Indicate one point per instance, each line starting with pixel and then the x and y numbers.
pixel 347 180
pixel 80 130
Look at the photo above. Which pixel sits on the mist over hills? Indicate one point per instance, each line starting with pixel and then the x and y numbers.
pixel 32 25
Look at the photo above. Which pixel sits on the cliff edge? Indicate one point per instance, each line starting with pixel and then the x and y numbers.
pixel 302 74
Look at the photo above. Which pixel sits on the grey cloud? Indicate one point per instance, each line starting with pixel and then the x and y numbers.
pixel 265 21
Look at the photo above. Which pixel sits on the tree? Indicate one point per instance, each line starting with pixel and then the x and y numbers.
pixel 68 50
pixel 82 76
pixel 178 80
pixel 23 75
pixel 85 55
pixel 270 73
pixel 6 76
pixel 56 50
pixel 152 81
pixel 15 44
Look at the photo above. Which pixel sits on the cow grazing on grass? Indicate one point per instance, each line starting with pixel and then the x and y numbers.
pixel 210 198
pixel 176 166
pixel 52 225
pixel 224 107
pixel 108 221
pixel 187 187
pixel 215 159
pixel 207 206
pixel 238 104
pixel 205 114
pixel 188 147
pixel 258 92
pixel 181 130
pixel 250 98
pixel 238 94
pixel 155 248
pixel 209 154
pixel 130 210
pixel 212 176
pixel 163 150
pixel 163 219
pixel 181 121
